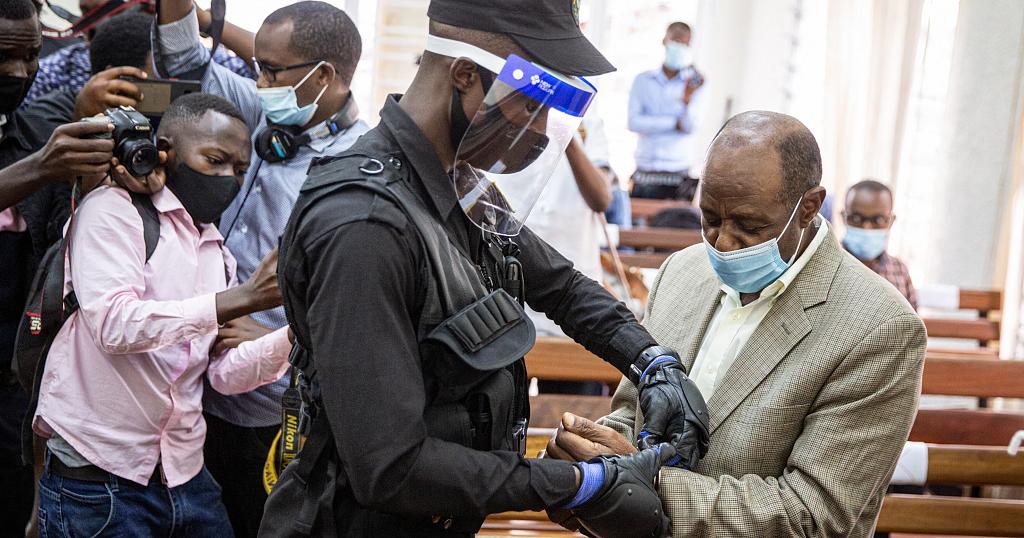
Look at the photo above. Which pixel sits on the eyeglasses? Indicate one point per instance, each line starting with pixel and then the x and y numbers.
pixel 859 221
pixel 270 72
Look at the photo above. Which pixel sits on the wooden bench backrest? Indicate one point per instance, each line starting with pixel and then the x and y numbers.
pixel 945 373
pixel 642 208
pixel 644 260
pixel 670 239
pixel 982 330
pixel 984 301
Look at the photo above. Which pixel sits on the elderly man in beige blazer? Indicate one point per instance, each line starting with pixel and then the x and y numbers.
pixel 810 366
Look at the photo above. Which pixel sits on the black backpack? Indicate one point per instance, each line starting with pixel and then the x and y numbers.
pixel 47 309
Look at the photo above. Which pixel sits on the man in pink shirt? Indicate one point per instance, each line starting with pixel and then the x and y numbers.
pixel 121 395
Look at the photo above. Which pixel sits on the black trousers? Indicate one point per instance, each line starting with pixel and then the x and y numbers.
pixel 235 456
pixel 17 484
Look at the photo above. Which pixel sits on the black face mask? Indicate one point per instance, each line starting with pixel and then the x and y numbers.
pixel 13 91
pixel 204 197
pixel 459 121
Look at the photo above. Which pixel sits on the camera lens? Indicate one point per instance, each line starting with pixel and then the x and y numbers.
pixel 140 157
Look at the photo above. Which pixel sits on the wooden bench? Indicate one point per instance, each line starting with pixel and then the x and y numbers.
pixel 643 208
pixel 948 373
pixel 900 513
pixel 984 301
pixel 984 329
pixel 917 514
pixel 643 260
pixel 669 239
pixel 955 454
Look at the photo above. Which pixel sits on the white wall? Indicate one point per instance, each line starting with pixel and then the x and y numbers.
pixel 745 46
pixel 982 115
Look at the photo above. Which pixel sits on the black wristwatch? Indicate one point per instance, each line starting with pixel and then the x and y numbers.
pixel 645 359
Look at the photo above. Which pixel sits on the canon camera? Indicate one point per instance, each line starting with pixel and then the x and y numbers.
pixel 133 139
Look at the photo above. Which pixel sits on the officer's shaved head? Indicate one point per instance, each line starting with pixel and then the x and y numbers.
pixel 798 154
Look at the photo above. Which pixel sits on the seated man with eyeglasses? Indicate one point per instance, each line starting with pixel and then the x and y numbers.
pixel 299 108
pixel 869 217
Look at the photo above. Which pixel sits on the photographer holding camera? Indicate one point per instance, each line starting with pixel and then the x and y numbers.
pixel 40 151
pixel 300 108
pixel 144 333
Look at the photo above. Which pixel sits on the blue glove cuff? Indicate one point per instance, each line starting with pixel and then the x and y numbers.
pixel 592 478
pixel 660 360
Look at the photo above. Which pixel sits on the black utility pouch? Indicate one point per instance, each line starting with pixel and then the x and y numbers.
pixel 485 336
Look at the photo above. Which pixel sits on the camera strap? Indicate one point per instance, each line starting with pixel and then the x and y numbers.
pixel 290 438
pixel 215 31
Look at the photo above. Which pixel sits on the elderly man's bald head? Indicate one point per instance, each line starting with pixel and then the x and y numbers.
pixel 761 182
pixel 797 155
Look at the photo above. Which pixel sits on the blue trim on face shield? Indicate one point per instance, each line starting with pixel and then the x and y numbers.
pixel 545 88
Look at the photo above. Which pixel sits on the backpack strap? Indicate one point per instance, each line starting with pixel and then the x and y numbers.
pixel 150 235
pixel 150 221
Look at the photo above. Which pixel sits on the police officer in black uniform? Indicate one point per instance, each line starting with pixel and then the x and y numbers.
pixel 403 279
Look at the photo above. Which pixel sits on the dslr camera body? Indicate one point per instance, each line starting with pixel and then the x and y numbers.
pixel 133 139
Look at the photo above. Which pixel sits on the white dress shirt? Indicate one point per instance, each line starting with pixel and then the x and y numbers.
pixel 733 323
pixel 656 109
pixel 563 219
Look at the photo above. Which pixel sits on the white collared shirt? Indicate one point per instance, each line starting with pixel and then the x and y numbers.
pixel 563 219
pixel 733 323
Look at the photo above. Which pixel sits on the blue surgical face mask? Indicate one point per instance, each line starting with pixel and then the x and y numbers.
pixel 282 107
pixel 752 269
pixel 865 244
pixel 677 56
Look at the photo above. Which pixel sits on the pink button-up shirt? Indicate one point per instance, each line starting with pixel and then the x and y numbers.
pixel 11 221
pixel 123 382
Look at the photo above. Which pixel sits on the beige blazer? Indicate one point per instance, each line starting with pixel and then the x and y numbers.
pixel 808 422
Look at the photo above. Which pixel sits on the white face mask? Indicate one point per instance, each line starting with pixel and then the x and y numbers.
pixel 678 56
pixel 752 269
pixel 281 106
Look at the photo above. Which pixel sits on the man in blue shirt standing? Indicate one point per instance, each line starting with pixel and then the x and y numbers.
pixel 661 112
pixel 299 108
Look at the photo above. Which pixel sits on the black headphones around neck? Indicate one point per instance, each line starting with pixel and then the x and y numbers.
pixel 277 143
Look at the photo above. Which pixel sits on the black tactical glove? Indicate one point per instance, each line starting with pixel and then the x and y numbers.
pixel 673 407
pixel 626 504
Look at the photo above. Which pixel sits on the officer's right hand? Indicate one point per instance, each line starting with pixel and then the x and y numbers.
pixel 627 503
pixel 674 412
pixel 72 152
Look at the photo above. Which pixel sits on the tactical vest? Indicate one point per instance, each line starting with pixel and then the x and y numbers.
pixel 472 330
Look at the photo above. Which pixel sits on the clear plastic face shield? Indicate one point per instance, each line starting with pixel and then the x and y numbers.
pixel 515 139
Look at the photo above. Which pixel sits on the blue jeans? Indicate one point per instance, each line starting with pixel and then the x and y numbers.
pixel 74 508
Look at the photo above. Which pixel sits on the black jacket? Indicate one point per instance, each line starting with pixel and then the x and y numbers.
pixel 354 279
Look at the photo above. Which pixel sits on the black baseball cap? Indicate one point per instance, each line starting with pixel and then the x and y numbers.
pixel 548 30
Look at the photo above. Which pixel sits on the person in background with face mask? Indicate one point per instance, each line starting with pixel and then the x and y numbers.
pixel 120 401
pixel 42 149
pixel 299 109
pixel 811 363
pixel 663 105
pixel 869 217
